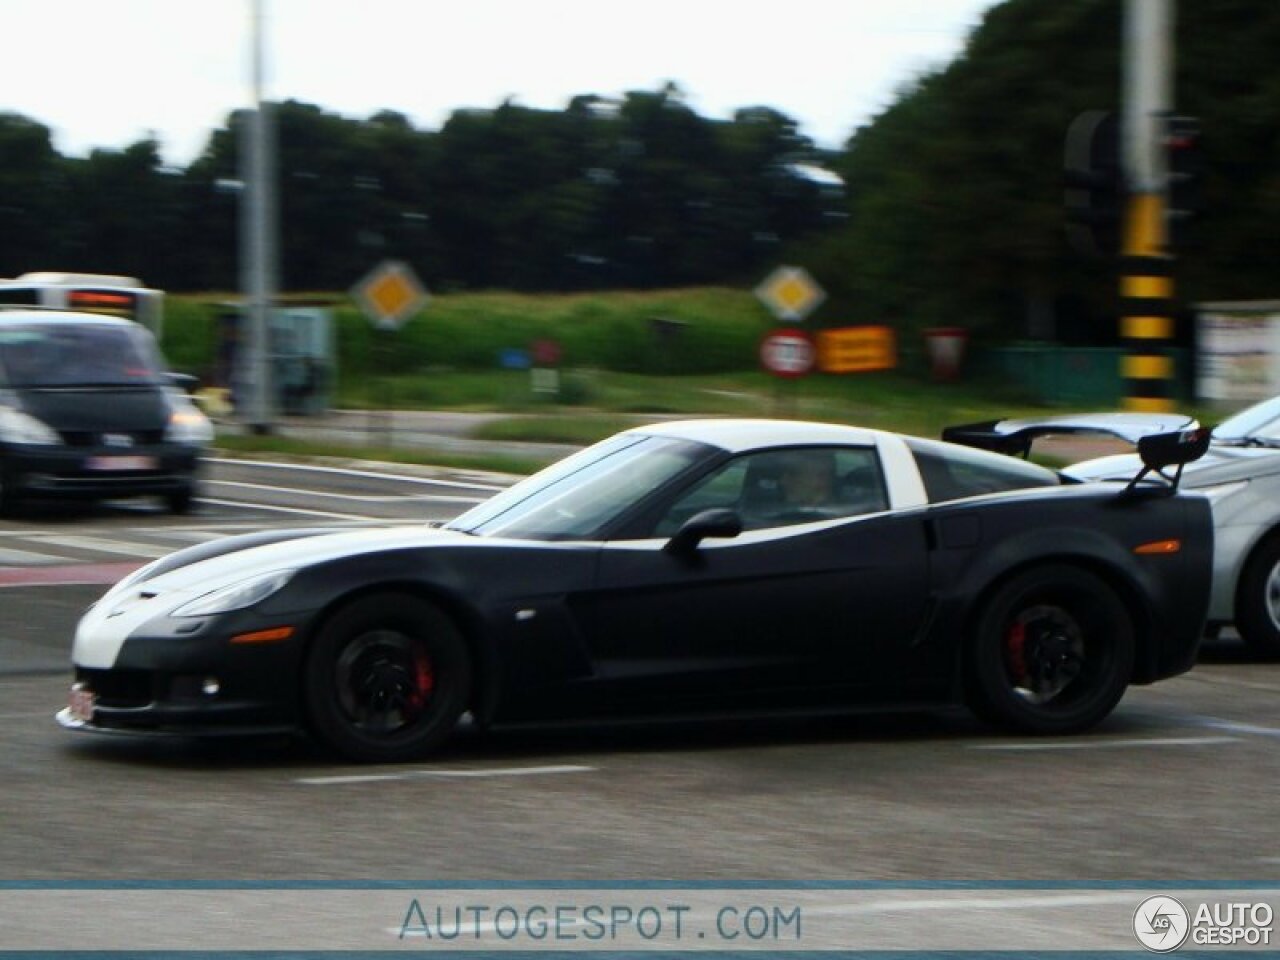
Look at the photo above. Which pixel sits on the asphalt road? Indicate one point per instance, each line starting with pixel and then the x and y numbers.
pixel 1177 784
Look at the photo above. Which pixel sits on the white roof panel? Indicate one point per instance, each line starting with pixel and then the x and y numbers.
pixel 736 435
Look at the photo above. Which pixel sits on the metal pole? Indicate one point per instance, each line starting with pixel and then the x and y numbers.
pixel 1148 92
pixel 258 257
pixel 1146 269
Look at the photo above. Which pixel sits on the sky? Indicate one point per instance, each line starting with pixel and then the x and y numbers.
pixel 108 73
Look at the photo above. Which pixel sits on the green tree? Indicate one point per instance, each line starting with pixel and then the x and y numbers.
pixel 129 206
pixel 36 224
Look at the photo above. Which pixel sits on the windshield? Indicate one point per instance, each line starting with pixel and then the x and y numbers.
pixel 67 354
pixel 1262 420
pixel 577 497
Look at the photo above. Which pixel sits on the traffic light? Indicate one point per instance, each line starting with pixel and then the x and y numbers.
pixel 1185 165
pixel 1093 181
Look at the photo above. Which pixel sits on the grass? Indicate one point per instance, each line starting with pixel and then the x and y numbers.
pixel 881 401
pixel 617 371
pixel 718 329
pixel 580 428
pixel 617 401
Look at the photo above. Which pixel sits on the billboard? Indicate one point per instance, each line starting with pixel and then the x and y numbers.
pixel 1238 352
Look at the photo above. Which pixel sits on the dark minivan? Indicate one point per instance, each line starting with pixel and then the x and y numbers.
pixel 88 411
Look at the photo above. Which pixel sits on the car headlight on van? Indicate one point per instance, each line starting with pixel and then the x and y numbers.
pixel 19 427
pixel 188 426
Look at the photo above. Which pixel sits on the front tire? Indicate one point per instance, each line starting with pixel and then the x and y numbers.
pixel 1052 652
pixel 387 679
pixel 1258 599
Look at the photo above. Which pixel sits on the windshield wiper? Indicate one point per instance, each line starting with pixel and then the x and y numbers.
pixel 444 525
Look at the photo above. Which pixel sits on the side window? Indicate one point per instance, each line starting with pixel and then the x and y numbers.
pixel 720 488
pixel 954 473
pixel 781 487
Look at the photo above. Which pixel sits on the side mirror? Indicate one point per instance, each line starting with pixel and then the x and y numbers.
pixel 721 522
pixel 183 381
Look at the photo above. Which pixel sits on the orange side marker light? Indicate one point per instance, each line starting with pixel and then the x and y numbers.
pixel 274 635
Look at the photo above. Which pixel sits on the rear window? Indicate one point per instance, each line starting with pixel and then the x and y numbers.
pixel 73 354
pixel 951 472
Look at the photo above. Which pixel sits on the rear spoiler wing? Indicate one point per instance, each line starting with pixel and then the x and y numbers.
pixel 1163 440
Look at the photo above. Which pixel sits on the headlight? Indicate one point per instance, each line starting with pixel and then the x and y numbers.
pixel 1221 491
pixel 236 596
pixel 188 426
pixel 19 427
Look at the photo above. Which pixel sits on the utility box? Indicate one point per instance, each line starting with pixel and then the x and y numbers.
pixel 303 358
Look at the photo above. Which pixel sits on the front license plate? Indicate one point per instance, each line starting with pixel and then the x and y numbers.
pixel 81 702
pixel 121 463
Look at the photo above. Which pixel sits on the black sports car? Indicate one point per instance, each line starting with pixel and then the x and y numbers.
pixel 715 564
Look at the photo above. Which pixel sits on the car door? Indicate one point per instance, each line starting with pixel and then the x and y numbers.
pixel 809 600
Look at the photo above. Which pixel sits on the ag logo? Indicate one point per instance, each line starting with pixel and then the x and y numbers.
pixel 1161 924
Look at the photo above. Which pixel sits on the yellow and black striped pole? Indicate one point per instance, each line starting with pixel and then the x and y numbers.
pixel 1146 307
pixel 1146 269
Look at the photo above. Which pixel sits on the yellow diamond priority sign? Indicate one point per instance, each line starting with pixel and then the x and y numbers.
pixel 390 294
pixel 790 293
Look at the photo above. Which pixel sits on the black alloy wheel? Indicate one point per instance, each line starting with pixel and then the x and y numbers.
pixel 1052 652
pixel 387 679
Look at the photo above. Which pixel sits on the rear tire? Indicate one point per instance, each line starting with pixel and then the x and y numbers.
pixel 1052 652
pixel 387 679
pixel 181 501
pixel 8 499
pixel 1258 599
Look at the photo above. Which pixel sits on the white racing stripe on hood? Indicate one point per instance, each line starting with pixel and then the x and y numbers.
pixel 103 630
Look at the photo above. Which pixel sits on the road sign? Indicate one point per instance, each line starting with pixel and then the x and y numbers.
pixel 390 294
pixel 787 352
pixel 790 293
pixel 857 349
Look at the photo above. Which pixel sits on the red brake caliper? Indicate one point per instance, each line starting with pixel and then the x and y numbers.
pixel 1015 644
pixel 424 680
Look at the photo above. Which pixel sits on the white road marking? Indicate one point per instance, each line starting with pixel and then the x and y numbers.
pixel 1232 727
pixel 1103 744
pixel 100 545
pixel 26 558
pixel 443 774
pixel 245 505
pixel 340 471
pixel 190 536
pixel 363 497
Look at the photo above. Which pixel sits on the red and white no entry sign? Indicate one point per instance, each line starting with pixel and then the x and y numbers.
pixel 788 352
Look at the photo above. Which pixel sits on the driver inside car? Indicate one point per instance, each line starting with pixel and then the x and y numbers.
pixel 808 479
